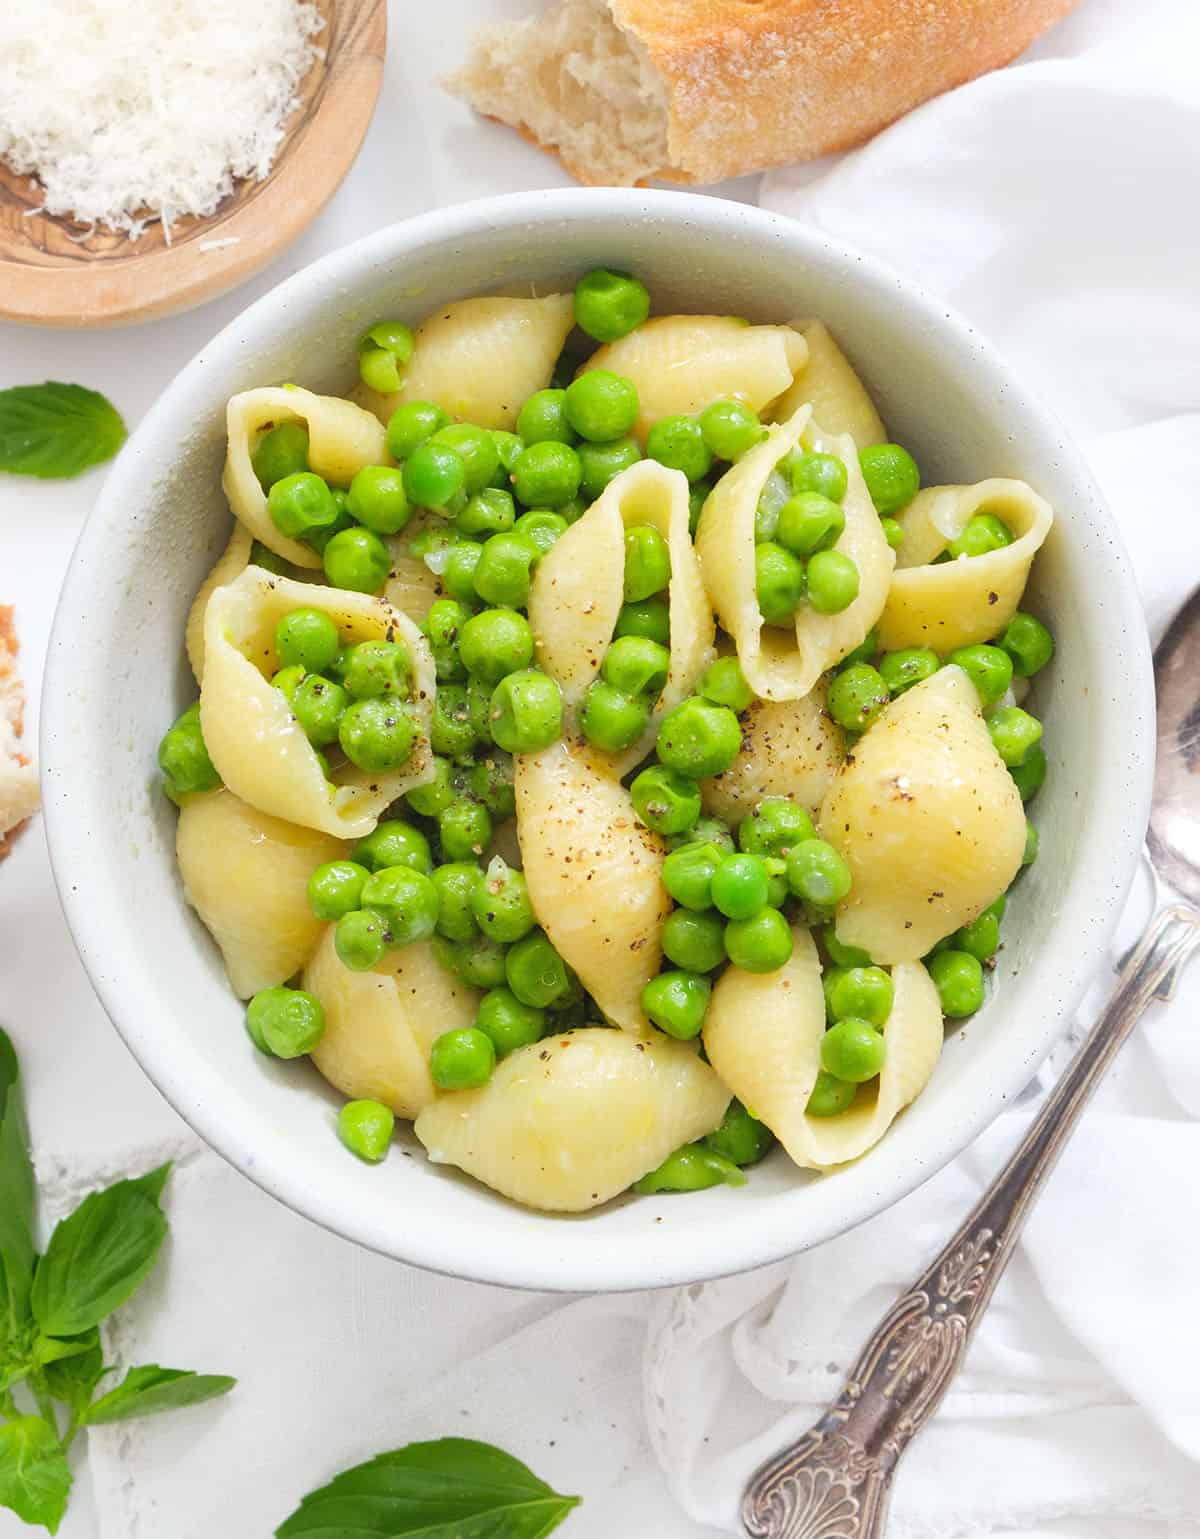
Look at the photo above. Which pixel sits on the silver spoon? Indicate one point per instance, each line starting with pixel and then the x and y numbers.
pixel 835 1482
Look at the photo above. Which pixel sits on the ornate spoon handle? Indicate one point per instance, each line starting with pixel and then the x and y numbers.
pixel 835 1482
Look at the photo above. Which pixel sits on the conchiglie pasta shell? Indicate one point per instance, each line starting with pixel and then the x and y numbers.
pixel 968 600
pixel 578 590
pixel 381 1024
pixel 479 359
pixel 681 363
pixel 231 563
pixel 829 384
pixel 573 1120
pixel 246 875
pixel 789 748
pixel 763 1036
pixel 928 819
pixel 785 664
pixel 594 875
pixel 342 438
pixel 253 739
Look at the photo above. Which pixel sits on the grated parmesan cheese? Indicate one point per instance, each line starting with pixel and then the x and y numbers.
pixel 128 111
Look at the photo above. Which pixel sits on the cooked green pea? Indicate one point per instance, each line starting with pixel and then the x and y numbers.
pixel 366 1128
pixel 610 719
pixel 771 502
pixel 610 304
pixel 853 1050
pixel 503 574
pixel 990 669
pixel 676 1002
pixel 739 886
pixel 546 475
pixel 374 668
pixel 817 872
pixel 901 670
pixel 286 1023
pixel 856 696
pixel 698 738
pixel 697 497
pixel 477 450
pixel 1030 774
pixel 687 874
pixel 456 882
pixel 509 1022
pixel 464 829
pixel 983 532
pixel 383 352
pixel 601 463
pixel 1028 643
pixel 318 704
pixel 730 428
pixel 678 443
pixel 451 732
pixel 377 735
pixel 981 938
pixel 706 830
pixel 760 944
pixel 1032 841
pixel 892 477
pixel 544 528
pixel 479 708
pixel 301 504
pixel 491 782
pixel 183 757
pixel 741 1138
pixel 377 499
pixel 267 559
pixel 601 405
pixel 543 419
pixel 694 941
pixel 494 643
pixel 279 453
pixel 694 1168
pixel 308 637
pixel 356 559
pixel 809 471
pixel 724 683
pixel 867 648
pixel 462 1059
pixel 650 618
pixel 840 954
pixel 526 711
pixel 536 973
pixel 360 939
pixel 958 978
pixel 778 890
pixel 779 583
pixel 637 666
pixel 830 1096
pixel 1013 732
pixel 443 623
pixel 809 522
pixel 893 532
pixel 776 824
pixel 434 795
pixel 490 511
pixel 480 962
pixel 336 888
pixel 865 993
pixel 832 582
pixel 508 446
pixel 458 575
pixel 665 800
pixel 434 542
pixel 570 512
pixel 503 909
pixel 434 474
pixel 647 563
pixel 411 425
pixel 406 900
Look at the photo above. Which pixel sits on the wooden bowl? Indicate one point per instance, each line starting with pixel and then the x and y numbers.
pixel 53 272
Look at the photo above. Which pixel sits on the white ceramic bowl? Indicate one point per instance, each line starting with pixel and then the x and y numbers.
pixel 117 677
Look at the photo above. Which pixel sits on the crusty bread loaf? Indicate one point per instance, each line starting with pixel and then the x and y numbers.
pixel 18 779
pixel 700 90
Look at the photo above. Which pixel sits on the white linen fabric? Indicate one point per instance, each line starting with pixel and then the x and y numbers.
pixel 1055 204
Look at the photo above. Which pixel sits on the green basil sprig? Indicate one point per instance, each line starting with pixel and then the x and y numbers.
pixel 55 431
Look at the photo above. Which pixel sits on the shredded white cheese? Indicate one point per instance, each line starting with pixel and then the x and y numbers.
pixel 132 110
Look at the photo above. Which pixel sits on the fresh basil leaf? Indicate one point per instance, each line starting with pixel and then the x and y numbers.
pixel 152 1183
pixel 53 1349
pixel 454 1488
pixel 56 430
pixel 146 1391
pixel 72 1379
pixel 96 1259
pixel 34 1476
pixel 16 1198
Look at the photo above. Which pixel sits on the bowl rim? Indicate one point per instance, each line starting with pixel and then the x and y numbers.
pixel 694 1253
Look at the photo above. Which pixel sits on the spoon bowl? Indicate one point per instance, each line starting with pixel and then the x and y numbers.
pixel 1174 834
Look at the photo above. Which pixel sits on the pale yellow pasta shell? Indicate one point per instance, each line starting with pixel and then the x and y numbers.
pixel 246 875
pixel 785 664
pixel 958 603
pixel 763 1032
pixel 253 739
pixel 928 819
pixel 578 587
pixel 479 359
pixel 231 563
pixel 381 1024
pixel 594 875
pixel 789 748
pixel 829 384
pixel 573 1120
pixel 682 363
pixel 342 438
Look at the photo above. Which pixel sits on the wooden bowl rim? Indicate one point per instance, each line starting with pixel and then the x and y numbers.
pixel 123 291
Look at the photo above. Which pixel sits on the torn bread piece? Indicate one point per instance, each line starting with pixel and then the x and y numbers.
pixel 18 777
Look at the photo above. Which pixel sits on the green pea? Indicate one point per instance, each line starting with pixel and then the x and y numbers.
pixel 1028 643
pixel 442 624
pixel 544 528
pixel 958 978
pixel 394 843
pixel 543 419
pixel 776 824
pixel 336 888
pixel 867 648
pixel 647 563
pixel 840 954
pixel 771 502
pixel 536 973
pixel 610 719
pixel 830 1096
pixel 892 477
pixel 601 463
pixel 739 886
pixel 546 475
pixel 526 712
pixel 434 474
pixel 778 890
pixel 357 559
pixel 508 1022
pixel 817 873
pixel 853 1050
pixel 601 405
pixel 502 906
pixel 809 522
pixel 981 938
pixel 730 428
pixel 462 1059
pixel 856 697
pixel 665 800
pixel 503 573
pixel 286 1023
pixel 779 583
pixel 637 666
pixel 406 900
pixel 508 446
pixel 694 1168
pixel 464 829
pixel 694 941
pixel 366 1128
pixel 451 732
pixel 741 1138
pixel 698 494
pixel 480 962
pixel 360 940
pixel 865 993
pixel 268 560
pixel 760 944
pixel 1032 841
pixel 901 670
pixel 724 683
pixel 809 471
pixel 375 668
pixel 990 669
pixel 650 618
pixel 377 499
pixel 477 449
pixel 458 575
pixel 1013 732
pixel 301 504
pixel 183 757
pixel 318 704
pixel 983 532
pixel 279 453
pixel 377 735
pixel 435 542
pixel 893 532
pixel 1030 774
pixel 676 1002
pixel 687 874
pixel 610 304
pixel 494 643
pixel 678 443
pixel 479 708
pixel 491 782
pixel 570 512
pixel 490 511
pixel 411 425
pixel 706 830
pixel 829 981
pixel 832 582
pixel 698 738
pixel 434 795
